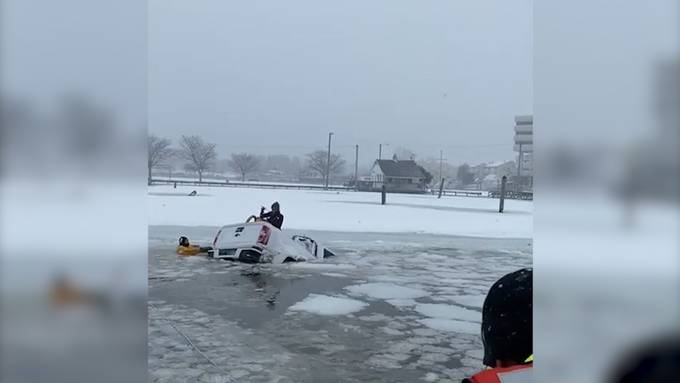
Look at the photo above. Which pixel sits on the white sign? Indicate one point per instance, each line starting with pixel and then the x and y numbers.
pixel 524 133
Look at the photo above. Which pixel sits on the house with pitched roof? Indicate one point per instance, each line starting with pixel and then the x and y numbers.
pixel 398 176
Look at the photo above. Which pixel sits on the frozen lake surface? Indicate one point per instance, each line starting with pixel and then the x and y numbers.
pixel 389 307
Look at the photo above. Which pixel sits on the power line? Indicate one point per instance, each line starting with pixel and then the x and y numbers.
pixel 352 146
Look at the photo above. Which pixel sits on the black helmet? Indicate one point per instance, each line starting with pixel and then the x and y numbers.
pixel 276 206
pixel 507 315
pixel 183 241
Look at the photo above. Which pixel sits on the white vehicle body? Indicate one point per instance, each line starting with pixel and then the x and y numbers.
pixel 260 242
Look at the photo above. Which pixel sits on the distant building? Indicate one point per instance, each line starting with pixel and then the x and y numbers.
pixel 524 146
pixel 488 175
pixel 398 177
pixel 490 182
pixel 499 169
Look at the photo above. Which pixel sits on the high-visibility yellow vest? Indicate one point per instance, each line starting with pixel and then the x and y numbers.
pixel 188 250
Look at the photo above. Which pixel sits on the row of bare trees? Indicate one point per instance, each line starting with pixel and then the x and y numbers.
pixel 199 157
pixel 246 163
pixel 198 154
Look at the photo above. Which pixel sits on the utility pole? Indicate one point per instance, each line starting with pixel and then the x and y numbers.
pixel 519 162
pixel 441 163
pixel 501 204
pixel 328 162
pixel 356 168
pixel 380 150
pixel 441 188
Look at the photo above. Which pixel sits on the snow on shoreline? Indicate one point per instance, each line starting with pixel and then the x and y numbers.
pixel 343 211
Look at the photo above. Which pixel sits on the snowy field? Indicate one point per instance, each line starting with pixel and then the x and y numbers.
pixel 387 308
pixel 343 211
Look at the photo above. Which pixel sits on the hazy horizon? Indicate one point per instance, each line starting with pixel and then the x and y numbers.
pixel 275 78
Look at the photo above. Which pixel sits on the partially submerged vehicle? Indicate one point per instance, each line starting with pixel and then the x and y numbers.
pixel 257 241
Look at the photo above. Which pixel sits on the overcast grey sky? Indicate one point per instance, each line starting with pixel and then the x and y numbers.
pixel 276 77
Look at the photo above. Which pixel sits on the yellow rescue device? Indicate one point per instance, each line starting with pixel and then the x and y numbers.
pixel 188 250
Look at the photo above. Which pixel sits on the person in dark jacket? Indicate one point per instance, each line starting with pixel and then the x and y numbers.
pixel 507 330
pixel 274 217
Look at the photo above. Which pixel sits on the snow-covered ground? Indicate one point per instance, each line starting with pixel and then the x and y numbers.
pixel 343 211
pixel 238 181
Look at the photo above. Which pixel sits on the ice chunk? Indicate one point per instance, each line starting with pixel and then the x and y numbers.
pixel 386 291
pixel 327 305
pixel 402 302
pixel 321 266
pixel 391 331
pixel 443 311
pixel 470 300
pixel 451 325
pixel 336 275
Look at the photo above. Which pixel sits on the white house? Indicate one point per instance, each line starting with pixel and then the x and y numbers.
pixel 397 176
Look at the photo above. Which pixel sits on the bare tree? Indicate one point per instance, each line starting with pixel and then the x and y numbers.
pixel 198 154
pixel 244 163
pixel 158 151
pixel 317 162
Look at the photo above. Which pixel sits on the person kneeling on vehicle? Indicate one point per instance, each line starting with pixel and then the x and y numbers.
pixel 507 330
pixel 274 217
pixel 186 248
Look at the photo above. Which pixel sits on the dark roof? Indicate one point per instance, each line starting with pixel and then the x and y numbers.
pixel 406 168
